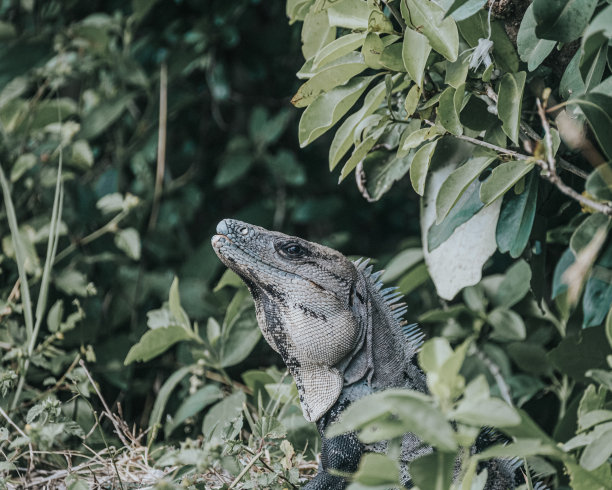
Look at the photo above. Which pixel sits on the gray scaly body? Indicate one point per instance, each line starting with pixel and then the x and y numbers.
pixel 339 333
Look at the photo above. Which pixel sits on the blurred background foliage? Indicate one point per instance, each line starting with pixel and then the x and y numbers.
pixel 80 86
pixel 80 81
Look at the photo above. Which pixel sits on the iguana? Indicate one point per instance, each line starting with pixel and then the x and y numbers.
pixel 339 332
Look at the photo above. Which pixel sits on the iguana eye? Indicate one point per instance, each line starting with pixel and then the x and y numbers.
pixel 293 250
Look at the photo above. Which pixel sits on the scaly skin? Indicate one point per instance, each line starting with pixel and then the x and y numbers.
pixel 338 332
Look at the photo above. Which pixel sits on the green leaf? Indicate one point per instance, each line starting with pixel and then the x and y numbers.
pixel 81 155
pixel 517 217
pixel 510 102
pixel 451 102
pixel 383 169
pixel 174 303
pixel 514 286
pixel 502 179
pixel 521 448
pixel 317 32
pixel 192 405
pixel 609 327
pixel 162 400
pixel 599 182
pixel 457 182
pixel 240 339
pixel 456 71
pixel 229 278
pixel 420 165
pixel 413 137
pixel 491 411
pixel 598 452
pixel 391 58
pixel 411 411
pixel 462 9
pixel 377 469
pixel 598 110
pixel 128 240
pixel 379 22
pixel 360 152
pixel 507 325
pixel 458 261
pixel 585 232
pixel 401 263
pixel 372 50
pixel 581 479
pixel 330 76
pixel 576 354
pixel 351 14
pixel 532 49
pixel 571 83
pixel 562 20
pixel 415 51
pixel 328 108
pixel 464 209
pixel 598 290
pixel 220 418
pixel 103 116
pixel 413 279
pixel 433 471
pixel 23 163
pixel 338 48
pixel 343 139
pixel 429 18
pixel 412 100
pixel 593 66
pixel 155 342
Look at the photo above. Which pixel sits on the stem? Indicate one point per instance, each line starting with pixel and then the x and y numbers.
pixel 245 469
pixel 161 143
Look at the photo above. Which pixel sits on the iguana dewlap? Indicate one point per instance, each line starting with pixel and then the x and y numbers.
pixel 339 333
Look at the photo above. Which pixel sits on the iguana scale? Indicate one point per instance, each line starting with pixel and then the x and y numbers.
pixel 339 332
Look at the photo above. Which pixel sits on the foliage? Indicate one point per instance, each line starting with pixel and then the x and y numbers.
pixel 462 177
pixel 438 93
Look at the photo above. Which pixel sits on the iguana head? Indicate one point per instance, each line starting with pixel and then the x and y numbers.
pixel 305 302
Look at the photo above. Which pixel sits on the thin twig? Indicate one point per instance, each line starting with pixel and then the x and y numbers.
pixel 493 368
pixel 22 434
pixel 118 429
pixel 565 165
pixel 246 469
pixel 161 143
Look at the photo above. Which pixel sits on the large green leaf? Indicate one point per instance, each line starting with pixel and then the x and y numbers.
pixel 451 103
pixel 328 108
pixel 155 342
pixel 503 178
pixel 351 14
pixel 510 102
pixel 598 290
pixel 372 50
pixel 598 110
pixel 316 33
pixel 343 139
pixel 415 51
pixel 514 286
pixel 516 218
pixel 338 48
pixel 103 115
pixel 162 400
pixel 218 421
pixel 429 19
pixel 467 205
pixel 531 48
pixel 377 469
pixel 391 58
pixel 419 166
pixel 462 9
pixel 192 405
pixel 458 261
pixel 507 324
pixel 433 471
pixel 330 76
pixel 383 169
pixel 562 20
pixel 456 183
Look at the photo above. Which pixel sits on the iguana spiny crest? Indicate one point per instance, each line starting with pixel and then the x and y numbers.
pixel 324 314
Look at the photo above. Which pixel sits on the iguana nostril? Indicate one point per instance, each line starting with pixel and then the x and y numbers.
pixel 244 230
pixel 222 228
